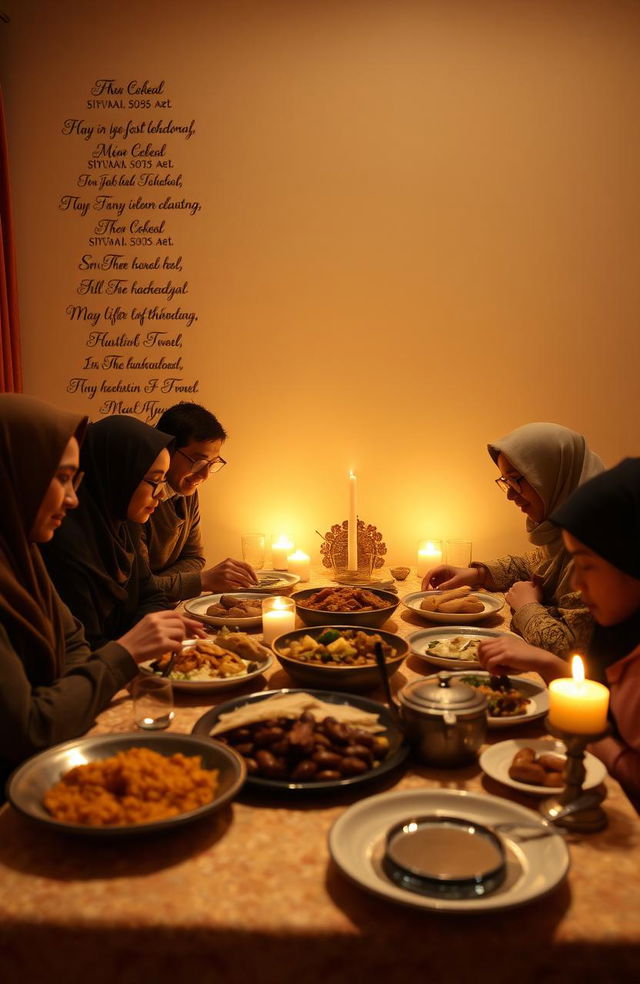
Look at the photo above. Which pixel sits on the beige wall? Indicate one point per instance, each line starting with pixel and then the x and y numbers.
pixel 419 230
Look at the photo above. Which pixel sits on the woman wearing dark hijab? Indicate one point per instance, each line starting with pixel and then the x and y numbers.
pixel 51 685
pixel 601 532
pixel 95 562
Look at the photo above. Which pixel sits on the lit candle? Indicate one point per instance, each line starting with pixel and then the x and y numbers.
pixel 280 550
pixel 278 617
pixel 299 563
pixel 352 528
pixel 429 555
pixel 576 705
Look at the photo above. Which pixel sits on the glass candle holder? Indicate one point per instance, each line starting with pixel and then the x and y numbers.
pixel 152 703
pixel 278 617
pixel 299 563
pixel 280 550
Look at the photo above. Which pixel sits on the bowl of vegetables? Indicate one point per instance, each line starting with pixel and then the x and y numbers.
pixel 338 657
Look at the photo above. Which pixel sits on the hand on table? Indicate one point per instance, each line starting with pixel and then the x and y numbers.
pixel 159 633
pixel 508 654
pixel 523 593
pixel 229 575
pixel 445 577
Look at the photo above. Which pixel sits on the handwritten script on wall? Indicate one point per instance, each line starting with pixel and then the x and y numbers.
pixel 132 290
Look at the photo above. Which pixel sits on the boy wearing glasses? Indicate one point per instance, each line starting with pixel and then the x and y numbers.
pixel 172 536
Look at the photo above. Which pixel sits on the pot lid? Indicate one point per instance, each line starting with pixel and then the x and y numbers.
pixel 445 692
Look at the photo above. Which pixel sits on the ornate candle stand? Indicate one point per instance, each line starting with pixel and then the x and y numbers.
pixel 371 552
pixel 574 809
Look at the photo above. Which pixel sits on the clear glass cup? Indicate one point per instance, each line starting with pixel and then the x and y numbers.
pixel 152 703
pixel 459 553
pixel 253 549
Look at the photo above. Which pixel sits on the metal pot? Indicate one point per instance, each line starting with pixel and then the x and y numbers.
pixel 445 720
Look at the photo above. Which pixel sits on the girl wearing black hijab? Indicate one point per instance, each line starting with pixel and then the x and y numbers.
pixel 601 531
pixel 94 561
pixel 51 684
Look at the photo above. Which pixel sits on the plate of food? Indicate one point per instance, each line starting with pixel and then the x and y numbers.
pixel 454 648
pixel 276 582
pixel 307 741
pixel 511 700
pixel 460 606
pixel 535 864
pixel 223 662
pixel 345 606
pixel 339 657
pixel 232 608
pixel 128 784
pixel 536 766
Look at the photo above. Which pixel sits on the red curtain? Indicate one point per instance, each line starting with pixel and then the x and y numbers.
pixel 11 362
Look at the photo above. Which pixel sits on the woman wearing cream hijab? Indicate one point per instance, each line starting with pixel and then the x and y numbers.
pixel 540 466
pixel 51 684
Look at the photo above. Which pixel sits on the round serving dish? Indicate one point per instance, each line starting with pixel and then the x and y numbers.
pixel 444 857
pixel 314 616
pixel 262 663
pixel 28 784
pixel 335 676
pixel 197 607
pixel 492 604
pixel 396 755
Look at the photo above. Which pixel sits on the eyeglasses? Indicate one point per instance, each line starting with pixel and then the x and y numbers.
pixel 203 464
pixel 159 488
pixel 72 480
pixel 510 483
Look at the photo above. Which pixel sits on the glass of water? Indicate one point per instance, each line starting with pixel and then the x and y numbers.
pixel 253 549
pixel 152 703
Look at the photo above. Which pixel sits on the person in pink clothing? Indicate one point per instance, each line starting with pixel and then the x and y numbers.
pixel 601 531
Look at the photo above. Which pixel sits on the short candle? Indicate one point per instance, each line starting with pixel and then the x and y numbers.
pixel 280 550
pixel 299 563
pixel 578 706
pixel 278 617
pixel 429 555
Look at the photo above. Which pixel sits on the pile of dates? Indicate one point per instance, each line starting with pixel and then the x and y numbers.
pixel 306 750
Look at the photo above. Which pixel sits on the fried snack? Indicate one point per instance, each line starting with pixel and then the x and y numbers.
pixel 546 770
pixel 454 593
pixel 203 661
pixel 343 600
pixel 458 601
pixel 240 643
pixel 134 786
pixel 231 606
pixel 460 607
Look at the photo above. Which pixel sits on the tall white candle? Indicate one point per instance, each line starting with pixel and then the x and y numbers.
pixel 352 529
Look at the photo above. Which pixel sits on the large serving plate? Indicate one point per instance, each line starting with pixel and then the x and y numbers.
pixel 537 693
pixel 357 839
pixel 28 784
pixel 320 616
pixel 419 643
pixel 198 608
pixel 219 685
pixel 335 676
pixel 398 747
pixel 496 760
pixel 492 604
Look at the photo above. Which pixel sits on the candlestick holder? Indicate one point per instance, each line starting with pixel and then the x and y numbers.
pixel 573 808
pixel 371 552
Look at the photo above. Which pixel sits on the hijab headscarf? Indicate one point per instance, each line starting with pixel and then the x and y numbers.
pixel 96 541
pixel 604 515
pixel 33 436
pixel 555 461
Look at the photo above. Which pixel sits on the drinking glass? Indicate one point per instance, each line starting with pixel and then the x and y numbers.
pixel 152 703
pixel 253 549
pixel 459 553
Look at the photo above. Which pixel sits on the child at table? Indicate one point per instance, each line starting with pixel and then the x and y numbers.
pixel 540 466
pixel 51 685
pixel 601 531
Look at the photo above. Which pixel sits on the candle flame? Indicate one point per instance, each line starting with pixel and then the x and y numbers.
pixel 352 474
pixel 298 555
pixel 283 541
pixel 577 669
pixel 280 604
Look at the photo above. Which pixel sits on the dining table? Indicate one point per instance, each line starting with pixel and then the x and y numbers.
pixel 251 892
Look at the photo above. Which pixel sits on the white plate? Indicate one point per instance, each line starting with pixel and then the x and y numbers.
pixel 198 608
pixel 419 640
pixel 496 759
pixel 537 693
pixel 219 685
pixel 492 604
pixel 276 582
pixel 356 843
